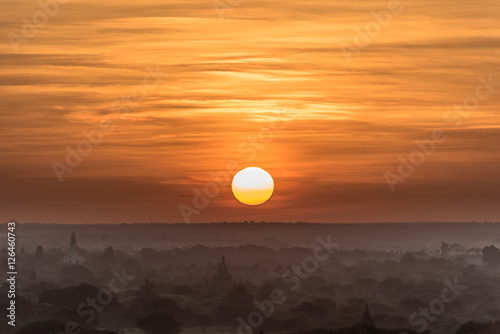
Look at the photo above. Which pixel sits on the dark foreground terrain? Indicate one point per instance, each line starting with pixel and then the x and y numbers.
pixel 251 277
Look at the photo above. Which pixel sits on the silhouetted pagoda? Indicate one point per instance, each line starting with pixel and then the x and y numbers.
pixel 366 320
pixel 73 256
pixel 222 277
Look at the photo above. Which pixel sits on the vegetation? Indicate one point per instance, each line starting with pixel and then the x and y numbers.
pixel 118 287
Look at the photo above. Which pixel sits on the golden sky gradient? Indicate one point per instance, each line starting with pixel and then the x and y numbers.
pixel 225 79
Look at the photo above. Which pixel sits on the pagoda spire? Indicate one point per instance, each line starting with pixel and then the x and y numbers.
pixel 366 320
pixel 222 275
pixel 72 244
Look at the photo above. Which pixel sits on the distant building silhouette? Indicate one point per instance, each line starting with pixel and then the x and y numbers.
pixel 73 256
pixel 366 320
pixel 39 253
pixel 222 277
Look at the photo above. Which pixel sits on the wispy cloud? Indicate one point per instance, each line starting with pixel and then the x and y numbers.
pixel 225 79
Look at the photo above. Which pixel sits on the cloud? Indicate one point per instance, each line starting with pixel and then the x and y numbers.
pixel 223 82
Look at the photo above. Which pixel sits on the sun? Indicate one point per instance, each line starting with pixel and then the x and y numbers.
pixel 252 186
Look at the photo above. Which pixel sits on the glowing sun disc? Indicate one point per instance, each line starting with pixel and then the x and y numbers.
pixel 252 186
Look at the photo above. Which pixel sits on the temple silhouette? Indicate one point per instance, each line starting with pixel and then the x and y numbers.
pixel 222 278
pixel 366 320
pixel 73 256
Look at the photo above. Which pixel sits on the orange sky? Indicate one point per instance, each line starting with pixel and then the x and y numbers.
pixel 223 81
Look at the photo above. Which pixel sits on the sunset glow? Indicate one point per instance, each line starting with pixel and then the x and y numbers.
pixel 185 93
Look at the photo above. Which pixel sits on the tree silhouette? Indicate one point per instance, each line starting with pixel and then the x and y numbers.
pixel 42 327
pixel 310 309
pixel 77 271
pixel 236 302
pixel 473 327
pixel 53 326
pixel 69 296
pixel 148 288
pixel 159 323
pixel 491 256
pixel 108 256
pixel 184 290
